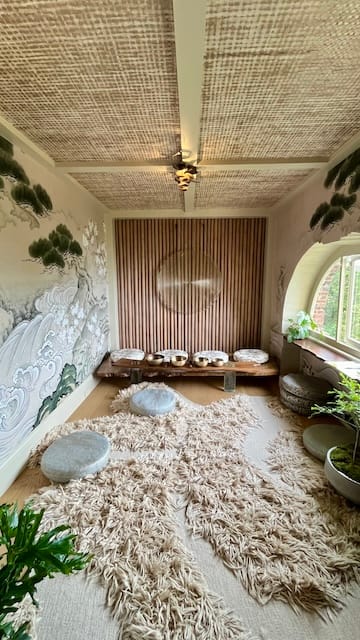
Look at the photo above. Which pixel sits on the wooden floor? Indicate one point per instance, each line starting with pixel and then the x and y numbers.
pixel 98 403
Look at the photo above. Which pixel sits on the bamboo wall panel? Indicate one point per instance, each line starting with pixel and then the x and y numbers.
pixel 215 279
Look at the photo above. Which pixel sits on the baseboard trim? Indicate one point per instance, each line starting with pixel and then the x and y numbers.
pixel 17 461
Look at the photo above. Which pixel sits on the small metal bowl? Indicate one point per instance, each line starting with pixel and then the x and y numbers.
pixel 218 362
pixel 178 361
pixel 201 361
pixel 155 359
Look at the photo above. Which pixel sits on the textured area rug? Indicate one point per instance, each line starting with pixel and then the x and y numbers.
pixel 279 541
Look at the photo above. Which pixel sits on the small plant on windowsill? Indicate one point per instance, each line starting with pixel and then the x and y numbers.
pixel 300 326
pixel 27 557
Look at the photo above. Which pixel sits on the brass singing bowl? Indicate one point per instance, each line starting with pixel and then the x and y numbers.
pixel 201 361
pixel 218 362
pixel 155 359
pixel 178 361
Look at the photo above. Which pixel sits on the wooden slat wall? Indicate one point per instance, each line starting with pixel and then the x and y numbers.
pixel 233 321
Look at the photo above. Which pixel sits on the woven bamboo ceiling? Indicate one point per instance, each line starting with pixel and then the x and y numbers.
pixel 258 93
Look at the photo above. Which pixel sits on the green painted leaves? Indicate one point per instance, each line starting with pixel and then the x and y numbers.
pixel 57 249
pixel 345 175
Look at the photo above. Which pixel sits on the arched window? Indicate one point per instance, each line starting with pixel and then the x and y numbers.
pixel 335 307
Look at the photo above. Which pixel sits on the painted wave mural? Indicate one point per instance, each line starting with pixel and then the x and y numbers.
pixel 52 343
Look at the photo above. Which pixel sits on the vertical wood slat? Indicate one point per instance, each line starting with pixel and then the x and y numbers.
pixel 236 246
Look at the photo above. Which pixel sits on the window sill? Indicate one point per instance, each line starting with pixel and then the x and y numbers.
pixel 340 361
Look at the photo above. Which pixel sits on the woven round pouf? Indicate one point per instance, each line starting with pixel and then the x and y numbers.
pixel 153 402
pixel 319 438
pixel 300 392
pixel 75 456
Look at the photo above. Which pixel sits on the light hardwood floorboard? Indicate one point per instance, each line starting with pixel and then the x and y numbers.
pixel 203 391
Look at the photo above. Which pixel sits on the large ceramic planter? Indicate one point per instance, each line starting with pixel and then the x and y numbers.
pixel 344 485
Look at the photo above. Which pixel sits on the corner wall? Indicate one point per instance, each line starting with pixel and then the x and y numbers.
pixel 293 238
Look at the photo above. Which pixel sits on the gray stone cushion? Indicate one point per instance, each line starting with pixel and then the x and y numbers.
pixel 319 438
pixel 306 387
pixel 75 456
pixel 153 402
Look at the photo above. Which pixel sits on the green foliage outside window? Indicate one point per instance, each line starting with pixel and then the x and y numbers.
pixel 339 286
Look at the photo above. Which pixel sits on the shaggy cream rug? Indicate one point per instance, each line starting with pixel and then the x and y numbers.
pixel 292 540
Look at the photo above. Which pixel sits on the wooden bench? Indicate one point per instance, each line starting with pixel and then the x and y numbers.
pixel 137 370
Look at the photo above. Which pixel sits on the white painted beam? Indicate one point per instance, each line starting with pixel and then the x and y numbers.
pixel 189 198
pixel 263 164
pixel 220 212
pixel 111 167
pixel 189 25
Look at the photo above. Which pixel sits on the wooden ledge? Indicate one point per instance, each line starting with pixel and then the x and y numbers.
pixel 334 359
pixel 121 368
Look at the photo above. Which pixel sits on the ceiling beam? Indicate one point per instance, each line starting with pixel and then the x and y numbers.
pixel 263 164
pixel 112 167
pixel 260 164
pixel 189 26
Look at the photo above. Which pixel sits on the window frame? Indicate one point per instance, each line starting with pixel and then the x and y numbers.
pixel 351 347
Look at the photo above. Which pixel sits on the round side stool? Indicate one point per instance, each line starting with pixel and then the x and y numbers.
pixel 319 438
pixel 75 456
pixel 153 402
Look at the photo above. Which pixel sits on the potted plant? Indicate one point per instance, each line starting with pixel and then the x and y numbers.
pixel 300 326
pixel 342 463
pixel 26 558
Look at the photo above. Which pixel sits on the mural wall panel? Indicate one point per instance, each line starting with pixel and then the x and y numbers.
pixel 53 297
pixel 190 284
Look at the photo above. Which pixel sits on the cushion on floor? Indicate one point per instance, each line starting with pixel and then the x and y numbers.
pixel 299 392
pixel 153 402
pixel 75 456
pixel 319 438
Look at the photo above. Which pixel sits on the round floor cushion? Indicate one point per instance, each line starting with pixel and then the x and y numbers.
pixel 319 438
pixel 153 402
pixel 305 386
pixel 75 456
pixel 251 355
pixel 299 392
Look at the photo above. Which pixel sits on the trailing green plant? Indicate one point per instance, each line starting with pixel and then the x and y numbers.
pixel 27 557
pixel 345 175
pixel 300 326
pixel 346 407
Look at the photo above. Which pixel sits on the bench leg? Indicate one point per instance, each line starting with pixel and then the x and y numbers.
pixel 135 376
pixel 229 381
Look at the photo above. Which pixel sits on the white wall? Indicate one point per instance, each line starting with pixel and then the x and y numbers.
pixel 293 239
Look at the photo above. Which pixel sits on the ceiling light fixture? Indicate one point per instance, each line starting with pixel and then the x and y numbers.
pixel 184 172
